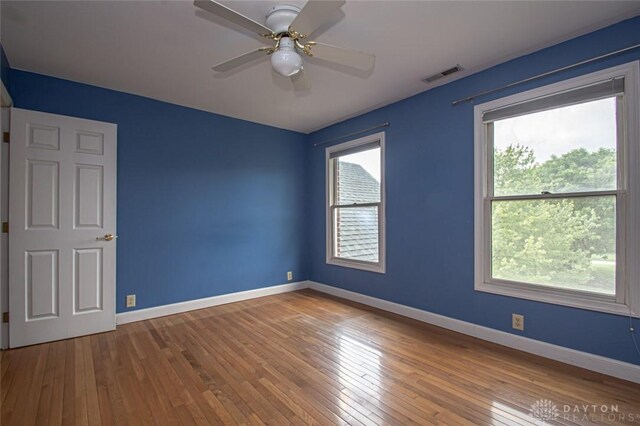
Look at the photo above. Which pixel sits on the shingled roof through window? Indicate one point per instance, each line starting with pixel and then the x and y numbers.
pixel 357 229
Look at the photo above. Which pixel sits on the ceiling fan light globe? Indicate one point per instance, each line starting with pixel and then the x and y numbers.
pixel 286 62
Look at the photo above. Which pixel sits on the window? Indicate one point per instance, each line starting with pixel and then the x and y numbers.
pixel 355 204
pixel 557 193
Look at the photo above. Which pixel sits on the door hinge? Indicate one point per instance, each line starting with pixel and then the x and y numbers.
pixel 6 137
pixel 5 317
pixel 5 227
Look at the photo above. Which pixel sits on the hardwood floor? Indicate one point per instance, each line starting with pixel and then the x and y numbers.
pixel 296 358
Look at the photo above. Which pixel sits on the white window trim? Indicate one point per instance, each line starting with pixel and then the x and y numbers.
pixel 380 266
pixel 627 301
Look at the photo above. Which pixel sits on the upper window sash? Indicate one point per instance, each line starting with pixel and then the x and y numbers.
pixel 334 158
pixel 606 179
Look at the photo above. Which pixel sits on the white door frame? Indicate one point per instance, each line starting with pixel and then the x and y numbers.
pixel 6 103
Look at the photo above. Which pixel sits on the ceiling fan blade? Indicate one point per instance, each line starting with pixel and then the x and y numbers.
pixel 242 59
pixel 351 58
pixel 231 15
pixel 314 14
pixel 301 80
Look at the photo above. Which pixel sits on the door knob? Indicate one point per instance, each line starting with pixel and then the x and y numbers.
pixel 107 237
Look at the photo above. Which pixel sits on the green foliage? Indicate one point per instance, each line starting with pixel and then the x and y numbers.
pixel 579 170
pixel 514 171
pixel 554 241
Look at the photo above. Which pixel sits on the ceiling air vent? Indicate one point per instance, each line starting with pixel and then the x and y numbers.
pixel 442 74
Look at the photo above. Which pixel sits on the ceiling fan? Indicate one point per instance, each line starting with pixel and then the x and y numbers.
pixel 289 28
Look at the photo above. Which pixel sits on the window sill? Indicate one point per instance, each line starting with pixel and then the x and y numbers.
pixel 365 266
pixel 556 297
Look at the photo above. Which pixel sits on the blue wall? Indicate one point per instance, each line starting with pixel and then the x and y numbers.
pixel 207 204
pixel 429 186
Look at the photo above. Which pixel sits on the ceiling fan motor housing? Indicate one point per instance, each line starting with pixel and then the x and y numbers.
pixel 280 17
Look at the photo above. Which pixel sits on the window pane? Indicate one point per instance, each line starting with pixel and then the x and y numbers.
pixel 358 177
pixel 563 243
pixel 356 235
pixel 568 149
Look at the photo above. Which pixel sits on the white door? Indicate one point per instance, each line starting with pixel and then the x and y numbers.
pixel 62 212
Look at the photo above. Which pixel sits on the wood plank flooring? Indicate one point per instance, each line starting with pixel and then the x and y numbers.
pixel 300 358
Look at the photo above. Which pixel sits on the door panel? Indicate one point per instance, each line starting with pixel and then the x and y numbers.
pixel 62 199
pixel 42 284
pixel 88 196
pixel 87 280
pixel 90 143
pixel 42 194
pixel 43 137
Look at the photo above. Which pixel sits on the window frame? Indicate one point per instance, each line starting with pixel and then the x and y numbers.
pixel 380 266
pixel 627 298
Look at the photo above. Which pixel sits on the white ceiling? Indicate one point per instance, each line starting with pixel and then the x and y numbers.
pixel 164 49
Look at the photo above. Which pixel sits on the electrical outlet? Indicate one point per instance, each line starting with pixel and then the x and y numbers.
pixel 517 321
pixel 289 276
pixel 131 300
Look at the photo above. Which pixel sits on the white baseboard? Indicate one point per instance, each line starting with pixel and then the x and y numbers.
pixel 600 364
pixel 176 308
